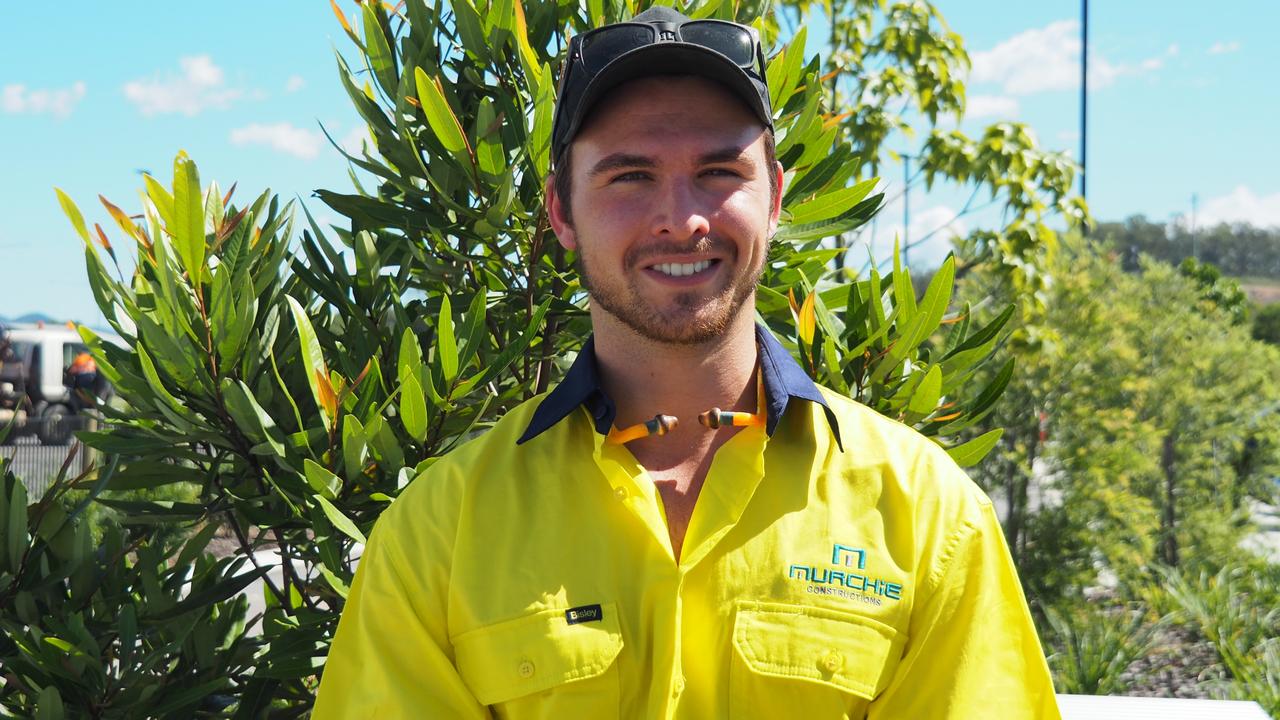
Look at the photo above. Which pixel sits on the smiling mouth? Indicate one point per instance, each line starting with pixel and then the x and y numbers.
pixel 683 269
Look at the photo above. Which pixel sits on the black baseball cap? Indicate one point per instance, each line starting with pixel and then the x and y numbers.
pixel 658 41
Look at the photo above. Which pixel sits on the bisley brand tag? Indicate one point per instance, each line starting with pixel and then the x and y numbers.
pixel 583 613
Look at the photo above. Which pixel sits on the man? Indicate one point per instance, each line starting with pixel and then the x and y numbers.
pixel 797 555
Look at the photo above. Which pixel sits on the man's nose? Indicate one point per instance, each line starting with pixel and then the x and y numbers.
pixel 681 213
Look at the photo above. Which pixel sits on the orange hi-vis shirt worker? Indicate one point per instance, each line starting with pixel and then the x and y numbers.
pixel 598 553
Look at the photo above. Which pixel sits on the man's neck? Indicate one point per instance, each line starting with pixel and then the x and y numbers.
pixel 645 377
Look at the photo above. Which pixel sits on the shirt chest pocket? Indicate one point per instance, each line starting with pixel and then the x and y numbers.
pixel 543 666
pixel 799 661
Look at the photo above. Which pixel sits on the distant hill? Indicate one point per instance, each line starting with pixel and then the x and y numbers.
pixel 1240 251
pixel 30 318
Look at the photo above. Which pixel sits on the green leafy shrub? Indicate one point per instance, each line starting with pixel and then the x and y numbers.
pixel 1237 609
pixel 129 626
pixel 1091 650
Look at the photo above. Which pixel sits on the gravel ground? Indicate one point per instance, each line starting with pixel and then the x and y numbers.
pixel 1182 665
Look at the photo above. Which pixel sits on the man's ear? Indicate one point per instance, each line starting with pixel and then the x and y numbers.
pixel 775 212
pixel 555 213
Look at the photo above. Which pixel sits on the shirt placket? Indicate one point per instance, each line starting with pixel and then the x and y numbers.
pixel 731 481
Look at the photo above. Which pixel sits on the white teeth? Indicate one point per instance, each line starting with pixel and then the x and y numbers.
pixel 682 269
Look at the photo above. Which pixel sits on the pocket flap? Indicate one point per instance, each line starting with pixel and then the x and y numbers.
pixel 536 652
pixel 843 650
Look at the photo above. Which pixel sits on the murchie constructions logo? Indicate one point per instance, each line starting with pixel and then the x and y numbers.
pixel 843 581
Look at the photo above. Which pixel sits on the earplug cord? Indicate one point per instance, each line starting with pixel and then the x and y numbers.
pixel 712 419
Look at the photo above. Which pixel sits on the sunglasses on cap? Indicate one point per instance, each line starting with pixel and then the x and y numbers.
pixel 739 43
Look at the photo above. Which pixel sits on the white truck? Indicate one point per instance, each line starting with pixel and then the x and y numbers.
pixel 36 390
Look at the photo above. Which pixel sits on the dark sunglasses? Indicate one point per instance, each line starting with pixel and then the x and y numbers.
pixel 739 43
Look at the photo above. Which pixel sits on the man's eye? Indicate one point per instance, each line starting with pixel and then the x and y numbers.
pixel 630 176
pixel 722 172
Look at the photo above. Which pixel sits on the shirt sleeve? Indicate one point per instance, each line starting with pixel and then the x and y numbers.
pixel 972 649
pixel 391 657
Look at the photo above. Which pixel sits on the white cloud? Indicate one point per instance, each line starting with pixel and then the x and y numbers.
pixel 1221 48
pixel 1048 58
pixel 355 139
pixel 282 137
pixel 200 86
pixel 294 83
pixel 58 102
pixel 939 223
pixel 1241 206
pixel 1001 106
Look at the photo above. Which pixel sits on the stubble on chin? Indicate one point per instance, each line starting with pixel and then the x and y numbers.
pixel 696 319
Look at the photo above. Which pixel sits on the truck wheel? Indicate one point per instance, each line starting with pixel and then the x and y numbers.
pixel 55 424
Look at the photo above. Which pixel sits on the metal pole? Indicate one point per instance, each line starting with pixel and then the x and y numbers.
pixel 1195 240
pixel 906 207
pixel 1084 99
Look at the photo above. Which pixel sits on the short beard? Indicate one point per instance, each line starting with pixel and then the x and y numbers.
pixel 649 323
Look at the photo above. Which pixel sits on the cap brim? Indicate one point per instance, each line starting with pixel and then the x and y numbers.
pixel 671 58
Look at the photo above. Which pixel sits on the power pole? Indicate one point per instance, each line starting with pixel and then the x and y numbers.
pixel 1084 98
pixel 906 207
pixel 1195 239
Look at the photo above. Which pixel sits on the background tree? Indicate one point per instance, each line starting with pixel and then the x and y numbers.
pixel 1141 433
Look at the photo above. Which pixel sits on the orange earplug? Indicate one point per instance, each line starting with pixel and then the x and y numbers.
pixel 659 425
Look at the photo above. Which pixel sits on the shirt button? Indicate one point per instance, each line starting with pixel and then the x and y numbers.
pixel 831 662
pixel 525 669
pixel 678 688
pixel 620 493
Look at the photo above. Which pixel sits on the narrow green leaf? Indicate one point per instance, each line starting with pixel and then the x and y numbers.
pixel 335 582
pixel 409 361
pixel 73 214
pixel 443 122
pixel 540 135
pixel 926 396
pixel 16 525
pixel 312 357
pixel 49 704
pixel 937 297
pixel 164 400
pixel 142 474
pixel 187 226
pixel 852 219
pixel 250 417
pixel 446 343
pixel 340 521
pixel 832 204
pixel 354 448
pixel 161 198
pixel 471 29
pixel 378 51
pixel 320 479
pixel 489 154
pixel 972 452
pixel 413 408
pixel 208 596
pixel 500 363
pixel 196 544
pixel 473 329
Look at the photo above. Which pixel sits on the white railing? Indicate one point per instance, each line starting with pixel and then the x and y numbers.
pixel 1113 707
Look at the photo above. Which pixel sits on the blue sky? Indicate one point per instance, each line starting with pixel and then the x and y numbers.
pixel 1182 102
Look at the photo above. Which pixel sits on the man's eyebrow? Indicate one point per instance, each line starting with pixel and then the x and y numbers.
pixel 619 161
pixel 733 153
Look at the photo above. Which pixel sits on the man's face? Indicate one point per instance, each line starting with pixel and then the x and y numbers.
pixel 672 209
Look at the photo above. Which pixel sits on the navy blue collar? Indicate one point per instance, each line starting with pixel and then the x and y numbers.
pixel 784 380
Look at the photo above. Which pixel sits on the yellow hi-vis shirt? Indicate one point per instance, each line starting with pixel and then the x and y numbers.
pixel 537 580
